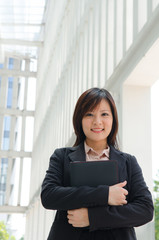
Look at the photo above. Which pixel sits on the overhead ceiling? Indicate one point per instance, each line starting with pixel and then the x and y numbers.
pixel 146 73
pixel 21 27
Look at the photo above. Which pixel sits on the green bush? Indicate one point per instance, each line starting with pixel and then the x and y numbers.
pixel 156 206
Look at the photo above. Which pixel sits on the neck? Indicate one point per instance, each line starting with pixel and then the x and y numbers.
pixel 97 146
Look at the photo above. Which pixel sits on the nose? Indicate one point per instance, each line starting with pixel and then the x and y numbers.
pixel 97 120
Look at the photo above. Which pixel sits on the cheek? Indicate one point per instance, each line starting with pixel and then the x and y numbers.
pixel 85 125
pixel 109 124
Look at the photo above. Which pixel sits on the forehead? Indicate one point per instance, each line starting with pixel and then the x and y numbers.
pixel 103 105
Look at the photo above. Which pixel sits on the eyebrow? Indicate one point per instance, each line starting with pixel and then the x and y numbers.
pixel 105 110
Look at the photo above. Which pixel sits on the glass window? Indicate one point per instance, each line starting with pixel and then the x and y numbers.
pixel 7 121
pixel 23 65
pixel 33 65
pixel 4 161
pixel 21 91
pixel 18 133
pixel 22 20
pixel 6 134
pixel 5 144
pixel 0 85
pixel 6 130
pixel 10 92
pixel 25 181
pixel 10 63
pixel 31 94
pixel 29 128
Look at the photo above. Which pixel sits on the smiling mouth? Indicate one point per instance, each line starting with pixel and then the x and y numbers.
pixel 97 130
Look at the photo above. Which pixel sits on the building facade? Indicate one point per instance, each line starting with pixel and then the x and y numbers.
pixel 88 43
pixel 15 152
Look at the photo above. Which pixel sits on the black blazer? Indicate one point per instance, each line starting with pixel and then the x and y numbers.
pixel 117 221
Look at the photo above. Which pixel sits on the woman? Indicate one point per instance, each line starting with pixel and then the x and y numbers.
pixel 103 212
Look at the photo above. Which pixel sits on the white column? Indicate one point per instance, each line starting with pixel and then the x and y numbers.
pixel 136 128
pixel 136 137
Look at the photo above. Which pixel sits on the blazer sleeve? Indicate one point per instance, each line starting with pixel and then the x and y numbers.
pixel 138 210
pixel 55 195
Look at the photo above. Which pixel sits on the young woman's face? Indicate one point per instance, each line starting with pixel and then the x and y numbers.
pixel 97 124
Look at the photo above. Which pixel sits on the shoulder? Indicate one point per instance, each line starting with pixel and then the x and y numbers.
pixel 130 160
pixel 127 156
pixel 63 151
pixel 122 156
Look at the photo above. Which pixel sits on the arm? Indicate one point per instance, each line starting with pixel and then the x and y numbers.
pixel 138 211
pixel 117 195
pixel 55 196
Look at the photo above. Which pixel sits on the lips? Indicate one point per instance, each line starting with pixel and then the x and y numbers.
pixel 97 130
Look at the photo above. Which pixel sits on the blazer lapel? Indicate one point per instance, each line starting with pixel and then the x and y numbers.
pixel 118 156
pixel 78 153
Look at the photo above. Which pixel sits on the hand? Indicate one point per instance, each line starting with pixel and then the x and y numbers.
pixel 117 194
pixel 78 217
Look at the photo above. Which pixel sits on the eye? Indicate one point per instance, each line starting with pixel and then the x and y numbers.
pixel 88 115
pixel 105 114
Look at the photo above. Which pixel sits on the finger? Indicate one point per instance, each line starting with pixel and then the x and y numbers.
pixel 70 221
pixel 121 184
pixel 125 192
pixel 70 212
pixel 69 216
pixel 124 202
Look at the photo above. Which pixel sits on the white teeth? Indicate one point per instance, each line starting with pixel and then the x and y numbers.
pixel 97 130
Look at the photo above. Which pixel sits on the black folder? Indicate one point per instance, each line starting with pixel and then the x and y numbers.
pixel 93 173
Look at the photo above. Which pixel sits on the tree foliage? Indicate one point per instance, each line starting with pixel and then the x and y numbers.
pixel 4 235
pixel 3 232
pixel 156 206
